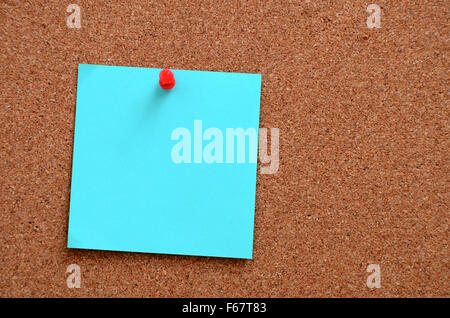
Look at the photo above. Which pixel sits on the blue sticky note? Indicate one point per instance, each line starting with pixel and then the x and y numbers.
pixel 158 171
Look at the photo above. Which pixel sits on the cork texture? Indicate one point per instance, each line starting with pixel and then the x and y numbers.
pixel 364 142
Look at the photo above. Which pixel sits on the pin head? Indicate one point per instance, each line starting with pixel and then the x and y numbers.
pixel 166 79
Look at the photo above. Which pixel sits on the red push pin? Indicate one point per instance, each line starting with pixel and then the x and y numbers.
pixel 166 79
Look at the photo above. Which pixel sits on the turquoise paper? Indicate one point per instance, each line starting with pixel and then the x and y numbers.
pixel 127 194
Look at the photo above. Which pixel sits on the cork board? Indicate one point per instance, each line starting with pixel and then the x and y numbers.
pixel 363 118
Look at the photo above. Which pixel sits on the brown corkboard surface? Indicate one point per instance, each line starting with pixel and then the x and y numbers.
pixel 364 142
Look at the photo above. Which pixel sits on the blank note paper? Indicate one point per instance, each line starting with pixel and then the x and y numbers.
pixel 159 171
